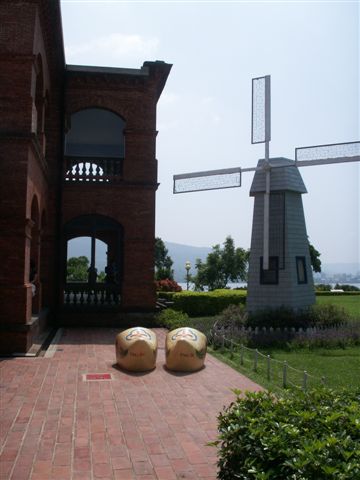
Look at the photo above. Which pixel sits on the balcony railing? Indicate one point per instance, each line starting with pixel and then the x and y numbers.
pixel 82 295
pixel 93 169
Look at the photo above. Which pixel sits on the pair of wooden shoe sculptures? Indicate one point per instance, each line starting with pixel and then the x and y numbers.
pixel 136 349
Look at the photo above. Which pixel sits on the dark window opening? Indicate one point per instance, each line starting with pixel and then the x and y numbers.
pixel 95 132
pixel 270 276
pixel 301 270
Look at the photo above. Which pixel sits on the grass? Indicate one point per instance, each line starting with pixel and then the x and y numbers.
pixel 340 367
pixel 351 303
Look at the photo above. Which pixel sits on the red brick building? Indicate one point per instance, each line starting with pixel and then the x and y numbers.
pixel 77 158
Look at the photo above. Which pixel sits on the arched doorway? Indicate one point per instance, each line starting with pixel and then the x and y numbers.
pixel 92 272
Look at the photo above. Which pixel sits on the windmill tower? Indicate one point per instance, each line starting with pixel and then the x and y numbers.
pixel 279 266
pixel 288 279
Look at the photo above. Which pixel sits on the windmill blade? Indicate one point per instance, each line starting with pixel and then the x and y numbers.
pixel 261 110
pixel 327 154
pixel 208 180
pixel 309 163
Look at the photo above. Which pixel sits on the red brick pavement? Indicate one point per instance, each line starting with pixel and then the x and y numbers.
pixel 55 425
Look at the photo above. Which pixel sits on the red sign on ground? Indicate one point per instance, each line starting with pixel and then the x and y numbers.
pixel 98 376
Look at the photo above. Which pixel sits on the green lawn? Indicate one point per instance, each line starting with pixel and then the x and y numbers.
pixel 351 303
pixel 340 367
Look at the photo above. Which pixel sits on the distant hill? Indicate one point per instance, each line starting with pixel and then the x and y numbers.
pixel 180 254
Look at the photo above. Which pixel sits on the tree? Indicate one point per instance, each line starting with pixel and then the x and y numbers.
pixel 223 265
pixel 77 269
pixel 315 259
pixel 163 261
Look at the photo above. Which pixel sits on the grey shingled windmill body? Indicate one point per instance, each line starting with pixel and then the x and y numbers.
pixel 280 273
pixel 288 242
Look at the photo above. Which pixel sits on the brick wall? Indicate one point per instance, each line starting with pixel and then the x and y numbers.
pixel 30 87
pixel 36 95
pixel 130 202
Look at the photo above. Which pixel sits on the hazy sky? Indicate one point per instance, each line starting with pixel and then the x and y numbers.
pixel 311 51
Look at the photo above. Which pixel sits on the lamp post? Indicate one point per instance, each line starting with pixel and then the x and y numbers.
pixel 187 268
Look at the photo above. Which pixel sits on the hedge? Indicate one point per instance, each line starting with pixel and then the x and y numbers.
pixel 336 294
pixel 199 304
pixel 166 295
pixel 314 435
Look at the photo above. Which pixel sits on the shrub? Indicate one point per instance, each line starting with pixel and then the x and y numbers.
pixel 323 287
pixel 167 285
pixel 172 319
pixel 229 322
pixel 297 436
pixel 202 304
pixel 327 315
pixel 166 295
pixel 336 294
pixel 282 317
pixel 347 288
pixel 335 337
pixel 231 318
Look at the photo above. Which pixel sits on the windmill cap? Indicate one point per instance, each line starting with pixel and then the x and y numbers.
pixel 283 177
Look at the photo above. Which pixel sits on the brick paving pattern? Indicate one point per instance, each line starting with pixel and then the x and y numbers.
pixel 154 425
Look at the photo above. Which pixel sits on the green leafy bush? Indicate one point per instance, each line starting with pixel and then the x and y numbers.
pixel 201 304
pixel 233 316
pixel 337 294
pixel 166 295
pixel 282 317
pixel 326 315
pixel 347 288
pixel 297 436
pixel 323 287
pixel 172 319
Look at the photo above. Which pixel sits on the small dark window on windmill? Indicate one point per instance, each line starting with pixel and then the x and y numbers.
pixel 301 270
pixel 270 276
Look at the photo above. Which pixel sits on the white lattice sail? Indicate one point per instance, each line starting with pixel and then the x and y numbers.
pixel 209 180
pixel 324 154
pixel 260 114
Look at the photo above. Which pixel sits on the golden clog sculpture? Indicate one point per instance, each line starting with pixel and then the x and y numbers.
pixel 136 349
pixel 185 349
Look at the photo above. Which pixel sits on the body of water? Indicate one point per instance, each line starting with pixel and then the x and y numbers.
pixel 242 284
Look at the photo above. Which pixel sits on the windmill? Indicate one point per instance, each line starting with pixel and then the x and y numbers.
pixel 279 266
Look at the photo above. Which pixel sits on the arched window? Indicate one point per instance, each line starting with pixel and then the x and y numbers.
pixel 95 132
pixel 37 126
pixel 94 146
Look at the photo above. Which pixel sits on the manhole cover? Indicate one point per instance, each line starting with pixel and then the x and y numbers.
pixel 90 377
